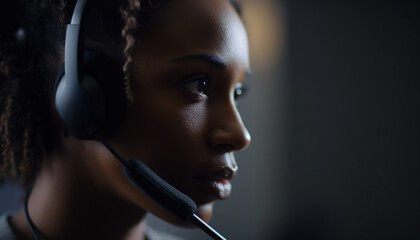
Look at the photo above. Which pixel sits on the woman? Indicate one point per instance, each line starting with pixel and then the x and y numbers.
pixel 183 64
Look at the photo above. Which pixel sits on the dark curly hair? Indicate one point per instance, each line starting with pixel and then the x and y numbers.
pixel 32 36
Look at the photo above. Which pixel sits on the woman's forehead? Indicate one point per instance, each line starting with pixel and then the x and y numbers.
pixel 192 27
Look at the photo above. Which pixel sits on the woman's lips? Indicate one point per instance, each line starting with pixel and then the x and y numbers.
pixel 215 188
pixel 215 185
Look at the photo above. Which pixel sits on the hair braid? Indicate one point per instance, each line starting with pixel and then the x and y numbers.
pixel 129 13
pixel 6 131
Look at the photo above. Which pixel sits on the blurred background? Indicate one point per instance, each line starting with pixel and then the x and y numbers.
pixel 334 113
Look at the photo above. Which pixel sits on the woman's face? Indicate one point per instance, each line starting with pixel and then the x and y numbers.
pixel 184 123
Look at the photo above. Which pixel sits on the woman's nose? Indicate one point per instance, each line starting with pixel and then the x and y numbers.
pixel 229 132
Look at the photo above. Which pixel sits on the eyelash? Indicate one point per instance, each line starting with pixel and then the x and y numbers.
pixel 202 83
pixel 199 85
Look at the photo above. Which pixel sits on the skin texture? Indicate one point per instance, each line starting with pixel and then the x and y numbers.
pixel 187 136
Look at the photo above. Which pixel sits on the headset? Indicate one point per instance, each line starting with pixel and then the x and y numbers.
pixel 90 100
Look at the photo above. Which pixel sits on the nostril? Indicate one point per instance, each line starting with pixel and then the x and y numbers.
pixel 228 173
pixel 226 147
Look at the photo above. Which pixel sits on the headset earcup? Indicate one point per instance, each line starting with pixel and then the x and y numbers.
pixel 103 109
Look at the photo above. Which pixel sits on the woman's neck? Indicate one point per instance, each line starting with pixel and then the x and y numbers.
pixel 65 204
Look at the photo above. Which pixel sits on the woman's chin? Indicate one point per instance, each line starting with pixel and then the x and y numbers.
pixel 205 212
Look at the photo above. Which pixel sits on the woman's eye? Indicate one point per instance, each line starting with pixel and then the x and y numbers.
pixel 198 84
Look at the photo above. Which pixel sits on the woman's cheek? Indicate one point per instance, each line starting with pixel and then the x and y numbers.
pixel 194 117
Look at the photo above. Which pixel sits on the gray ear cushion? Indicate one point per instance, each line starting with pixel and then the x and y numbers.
pixel 104 83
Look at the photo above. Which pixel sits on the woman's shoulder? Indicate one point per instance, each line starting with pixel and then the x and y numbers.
pixel 6 232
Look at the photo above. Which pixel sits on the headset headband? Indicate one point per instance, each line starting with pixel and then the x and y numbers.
pixel 73 61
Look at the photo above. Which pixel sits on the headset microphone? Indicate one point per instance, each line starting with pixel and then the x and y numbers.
pixel 90 100
pixel 168 197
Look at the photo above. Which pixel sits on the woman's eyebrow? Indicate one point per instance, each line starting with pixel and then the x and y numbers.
pixel 212 59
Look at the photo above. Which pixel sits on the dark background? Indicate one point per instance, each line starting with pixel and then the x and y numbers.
pixel 353 149
pixel 335 126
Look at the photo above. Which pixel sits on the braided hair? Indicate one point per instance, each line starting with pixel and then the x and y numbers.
pixel 32 34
